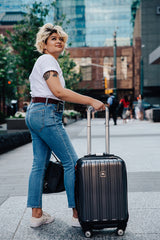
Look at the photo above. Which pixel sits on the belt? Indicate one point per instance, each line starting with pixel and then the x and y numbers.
pixel 45 100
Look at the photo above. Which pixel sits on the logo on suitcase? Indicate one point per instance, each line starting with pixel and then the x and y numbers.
pixel 103 174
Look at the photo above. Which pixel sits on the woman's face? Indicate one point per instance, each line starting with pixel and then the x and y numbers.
pixel 55 45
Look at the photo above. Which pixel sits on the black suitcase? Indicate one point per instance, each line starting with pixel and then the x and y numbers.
pixel 101 188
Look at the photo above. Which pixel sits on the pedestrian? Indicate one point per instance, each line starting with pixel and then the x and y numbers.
pixel 112 105
pixel 124 101
pixel 25 107
pixel 120 110
pixel 140 106
pixel 131 107
pixel 44 120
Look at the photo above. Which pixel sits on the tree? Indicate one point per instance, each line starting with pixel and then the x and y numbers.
pixel 70 76
pixel 4 70
pixel 22 40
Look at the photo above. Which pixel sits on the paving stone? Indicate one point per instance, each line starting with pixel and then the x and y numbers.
pixel 136 142
pixel 15 224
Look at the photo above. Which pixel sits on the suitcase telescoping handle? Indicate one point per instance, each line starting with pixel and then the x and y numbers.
pixel 89 130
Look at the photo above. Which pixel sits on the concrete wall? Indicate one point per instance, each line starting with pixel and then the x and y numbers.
pixel 150 37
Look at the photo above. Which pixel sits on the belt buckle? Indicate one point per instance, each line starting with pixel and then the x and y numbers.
pixel 60 106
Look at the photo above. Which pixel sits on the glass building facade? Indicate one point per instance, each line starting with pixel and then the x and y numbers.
pixel 150 40
pixel 20 6
pixel 74 11
pixel 12 6
pixel 92 22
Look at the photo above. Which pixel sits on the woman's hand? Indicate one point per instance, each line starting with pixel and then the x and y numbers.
pixel 98 105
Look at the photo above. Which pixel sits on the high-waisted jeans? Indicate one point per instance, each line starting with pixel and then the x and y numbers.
pixel 48 134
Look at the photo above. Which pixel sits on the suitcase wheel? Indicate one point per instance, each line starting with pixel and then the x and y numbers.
pixel 120 232
pixel 88 233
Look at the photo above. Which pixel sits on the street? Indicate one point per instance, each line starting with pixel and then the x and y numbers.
pixel 137 142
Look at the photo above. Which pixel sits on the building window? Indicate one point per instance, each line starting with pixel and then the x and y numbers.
pixel 121 70
pixel 86 72
pixel 83 65
pixel 108 68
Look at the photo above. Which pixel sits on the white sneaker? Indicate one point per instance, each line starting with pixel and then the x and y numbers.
pixel 75 222
pixel 44 219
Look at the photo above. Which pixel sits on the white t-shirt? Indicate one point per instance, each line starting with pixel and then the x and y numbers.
pixel 38 85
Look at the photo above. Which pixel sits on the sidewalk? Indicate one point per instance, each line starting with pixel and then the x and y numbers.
pixel 137 142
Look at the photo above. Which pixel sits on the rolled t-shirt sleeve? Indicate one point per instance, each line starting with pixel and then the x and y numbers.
pixel 48 63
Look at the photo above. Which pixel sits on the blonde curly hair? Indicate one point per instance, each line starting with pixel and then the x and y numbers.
pixel 45 31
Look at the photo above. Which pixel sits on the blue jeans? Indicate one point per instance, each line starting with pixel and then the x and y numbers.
pixel 48 134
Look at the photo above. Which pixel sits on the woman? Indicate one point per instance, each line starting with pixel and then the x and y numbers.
pixel 140 106
pixel 125 103
pixel 131 107
pixel 44 119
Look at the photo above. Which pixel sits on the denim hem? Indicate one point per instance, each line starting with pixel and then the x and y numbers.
pixel 71 207
pixel 28 206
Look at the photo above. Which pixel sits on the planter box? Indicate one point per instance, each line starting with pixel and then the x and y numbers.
pixel 9 141
pixel 68 120
pixel 153 114
pixel 16 124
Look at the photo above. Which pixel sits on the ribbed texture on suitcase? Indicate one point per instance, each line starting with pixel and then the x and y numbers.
pixel 102 189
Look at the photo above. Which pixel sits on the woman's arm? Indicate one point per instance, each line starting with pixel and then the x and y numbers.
pixel 53 82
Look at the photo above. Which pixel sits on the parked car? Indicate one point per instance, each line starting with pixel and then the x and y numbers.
pixel 146 105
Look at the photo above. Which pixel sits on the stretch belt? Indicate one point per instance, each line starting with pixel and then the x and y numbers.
pixel 45 100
